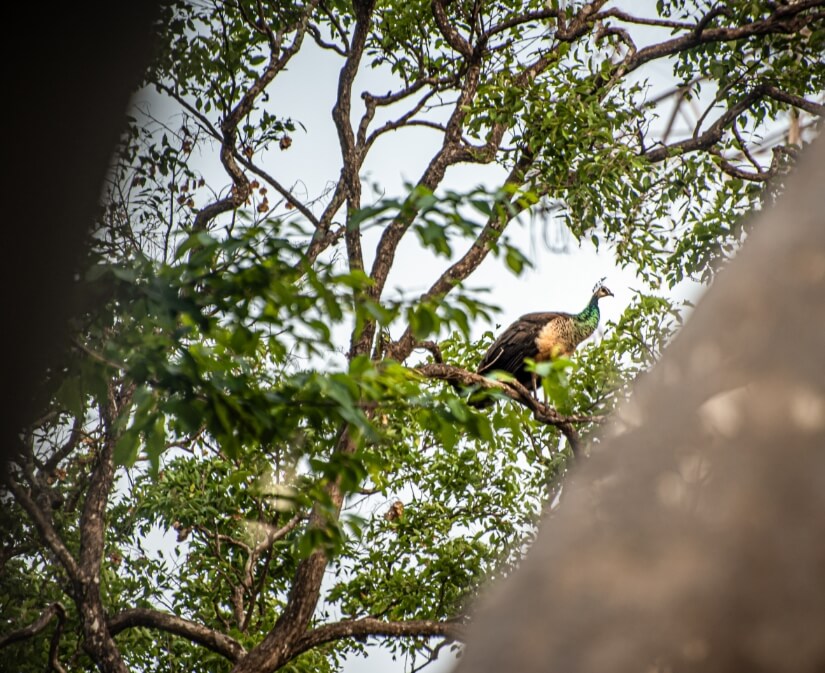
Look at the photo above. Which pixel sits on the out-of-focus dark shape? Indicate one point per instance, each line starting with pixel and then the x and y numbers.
pixel 694 540
pixel 69 70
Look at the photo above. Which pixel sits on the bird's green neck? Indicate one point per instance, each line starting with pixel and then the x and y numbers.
pixel 589 317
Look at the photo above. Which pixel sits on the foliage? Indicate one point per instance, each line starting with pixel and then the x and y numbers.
pixel 277 474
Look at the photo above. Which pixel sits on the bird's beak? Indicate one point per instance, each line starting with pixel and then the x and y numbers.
pixel 608 292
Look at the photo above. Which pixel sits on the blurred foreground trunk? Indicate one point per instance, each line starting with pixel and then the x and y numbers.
pixel 694 539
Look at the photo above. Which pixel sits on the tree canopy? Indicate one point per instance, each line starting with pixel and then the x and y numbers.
pixel 258 455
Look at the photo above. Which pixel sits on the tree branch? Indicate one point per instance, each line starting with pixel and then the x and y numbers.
pixel 753 176
pixel 474 256
pixel 710 137
pixel 786 19
pixel 403 120
pixel 97 641
pixel 370 626
pixel 54 645
pixel 278 59
pixel 278 187
pixel 450 34
pixel 74 437
pixel 617 13
pixel 331 46
pixel 197 633
pixel 810 107
pixel 45 529
pixel 512 389
pixel 352 157
pixel 38 625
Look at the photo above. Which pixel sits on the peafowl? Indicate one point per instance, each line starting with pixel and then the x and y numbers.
pixel 542 337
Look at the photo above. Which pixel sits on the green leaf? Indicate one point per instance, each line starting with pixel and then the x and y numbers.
pixel 126 448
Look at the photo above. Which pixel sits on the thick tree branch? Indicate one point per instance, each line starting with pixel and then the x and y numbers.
pixel 370 626
pixel 543 413
pixel 512 389
pixel 324 236
pixel 38 625
pixel 730 169
pixel 351 155
pixel 450 34
pixel 97 641
pixel 580 23
pixel 197 633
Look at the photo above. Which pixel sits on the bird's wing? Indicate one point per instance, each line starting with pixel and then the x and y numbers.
pixel 515 343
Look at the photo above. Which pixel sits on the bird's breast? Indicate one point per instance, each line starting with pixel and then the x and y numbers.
pixel 556 339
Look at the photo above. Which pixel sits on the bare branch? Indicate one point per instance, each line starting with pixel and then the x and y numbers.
pixel 191 109
pixel 274 534
pixel 337 24
pixel 580 23
pixel 727 167
pixel 323 237
pixel 704 22
pixel 220 537
pixel 197 633
pixel 434 349
pixel 403 120
pixel 278 59
pixel 512 389
pixel 321 42
pixel 744 147
pixel 527 17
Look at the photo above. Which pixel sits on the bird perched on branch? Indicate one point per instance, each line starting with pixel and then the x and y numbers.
pixel 542 337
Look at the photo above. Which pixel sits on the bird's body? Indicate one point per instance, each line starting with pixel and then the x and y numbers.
pixel 542 337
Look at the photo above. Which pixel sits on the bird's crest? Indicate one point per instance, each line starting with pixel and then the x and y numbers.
pixel 599 283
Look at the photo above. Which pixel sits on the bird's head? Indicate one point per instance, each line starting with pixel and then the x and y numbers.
pixel 600 290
